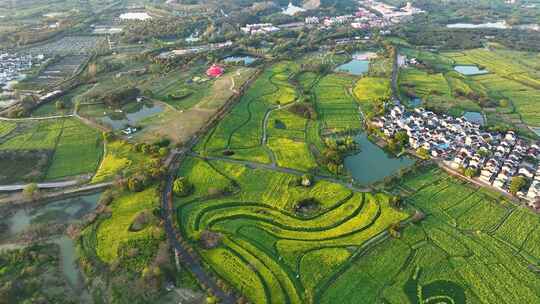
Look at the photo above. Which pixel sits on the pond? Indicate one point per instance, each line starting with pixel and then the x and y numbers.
pixel 245 59
pixel 470 70
pixel 536 130
pixel 373 164
pixel 415 102
pixel 475 117
pixel 131 114
pixel 354 67
pixel 60 212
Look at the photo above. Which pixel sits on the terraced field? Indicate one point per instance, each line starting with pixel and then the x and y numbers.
pixel 272 231
pixel 243 128
pixel 262 127
pixel 473 247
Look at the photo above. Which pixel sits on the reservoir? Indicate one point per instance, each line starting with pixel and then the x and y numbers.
pixel 373 164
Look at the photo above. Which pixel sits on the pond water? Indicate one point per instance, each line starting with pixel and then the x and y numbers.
pixel 415 102
pixel 354 67
pixel 536 130
pixel 60 212
pixel 470 70
pixel 247 60
pixel 475 117
pixel 373 164
pixel 131 114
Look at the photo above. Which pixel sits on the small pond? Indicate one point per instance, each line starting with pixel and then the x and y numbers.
pixel 359 65
pixel 475 117
pixel 354 67
pixel 470 70
pixel 245 59
pixel 373 164
pixel 415 102
pixel 131 114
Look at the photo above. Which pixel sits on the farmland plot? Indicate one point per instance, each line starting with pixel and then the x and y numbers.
pixel 469 253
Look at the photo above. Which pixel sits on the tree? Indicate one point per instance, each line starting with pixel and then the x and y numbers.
pixel 422 152
pixel 163 152
pixel 402 138
pixel 31 191
pixel 135 184
pixel 60 105
pixel 470 172
pixel 517 183
pixel 306 180
pixel 108 136
pixel 182 187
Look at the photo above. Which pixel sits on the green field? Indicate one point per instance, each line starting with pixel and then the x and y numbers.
pixel 473 247
pixel 75 148
pixel 115 231
pixel 6 128
pixel 513 78
pixel 268 243
pixel 337 109
pixel 121 156
pixel 370 91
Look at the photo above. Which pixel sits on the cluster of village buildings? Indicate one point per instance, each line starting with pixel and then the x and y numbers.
pixel 12 66
pixel 461 144
pixel 366 18
pixel 370 14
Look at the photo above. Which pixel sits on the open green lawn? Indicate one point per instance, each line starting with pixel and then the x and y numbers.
pixel 268 245
pixel 472 247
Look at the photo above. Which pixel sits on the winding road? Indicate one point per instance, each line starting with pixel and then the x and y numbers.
pixel 272 167
pixel 188 260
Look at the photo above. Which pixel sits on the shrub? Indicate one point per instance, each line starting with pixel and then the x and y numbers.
pixel 182 187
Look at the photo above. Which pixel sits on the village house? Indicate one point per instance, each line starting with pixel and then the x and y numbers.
pixel 462 144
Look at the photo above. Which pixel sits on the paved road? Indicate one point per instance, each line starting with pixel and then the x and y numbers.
pixel 36 118
pixel 19 187
pixel 54 185
pixel 283 170
pixel 188 260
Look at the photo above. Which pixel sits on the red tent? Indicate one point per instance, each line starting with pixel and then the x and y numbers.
pixel 214 71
